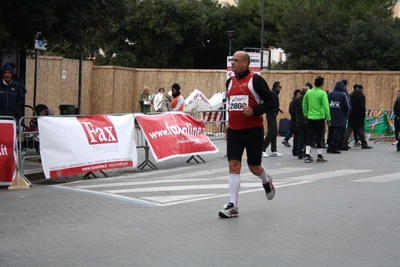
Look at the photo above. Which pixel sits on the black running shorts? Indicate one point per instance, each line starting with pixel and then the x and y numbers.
pixel 252 139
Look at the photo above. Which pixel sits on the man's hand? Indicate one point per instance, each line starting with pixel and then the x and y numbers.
pixel 247 111
pixel 226 131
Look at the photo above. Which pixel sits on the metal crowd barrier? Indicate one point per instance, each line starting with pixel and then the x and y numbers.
pixel 214 121
pixel 28 145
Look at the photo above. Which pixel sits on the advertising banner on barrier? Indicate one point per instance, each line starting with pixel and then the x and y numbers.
pixel 8 162
pixel 378 124
pixel 72 145
pixel 175 134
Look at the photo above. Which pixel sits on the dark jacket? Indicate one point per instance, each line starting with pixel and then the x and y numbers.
pixel 357 113
pixel 396 107
pixel 275 97
pixel 298 109
pixel 339 103
pixel 292 111
pixel 11 96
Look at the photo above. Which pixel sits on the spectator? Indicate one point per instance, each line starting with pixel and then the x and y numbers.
pixel 11 94
pixel 158 99
pixel 178 102
pixel 272 132
pixel 292 127
pixel 396 121
pixel 293 124
pixel 356 118
pixel 315 107
pixel 339 103
pixel 301 124
pixel 145 100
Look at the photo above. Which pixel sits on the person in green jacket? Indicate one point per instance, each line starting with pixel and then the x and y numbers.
pixel 145 100
pixel 316 110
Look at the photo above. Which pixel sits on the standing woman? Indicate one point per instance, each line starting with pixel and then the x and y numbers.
pixel 158 98
pixel 178 102
pixel 145 100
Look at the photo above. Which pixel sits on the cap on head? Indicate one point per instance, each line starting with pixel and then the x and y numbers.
pixel 7 67
pixel 176 86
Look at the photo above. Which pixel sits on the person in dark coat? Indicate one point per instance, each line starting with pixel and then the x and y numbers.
pixel 356 118
pixel 396 121
pixel 11 94
pixel 272 132
pixel 300 122
pixel 292 125
pixel 339 103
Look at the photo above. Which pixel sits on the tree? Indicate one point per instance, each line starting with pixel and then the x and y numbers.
pixel 248 23
pixel 171 34
pixel 66 24
pixel 339 34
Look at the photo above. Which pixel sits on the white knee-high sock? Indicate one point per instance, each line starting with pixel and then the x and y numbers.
pixel 264 177
pixel 308 150
pixel 234 186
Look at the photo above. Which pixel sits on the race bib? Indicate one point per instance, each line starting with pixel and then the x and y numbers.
pixel 236 102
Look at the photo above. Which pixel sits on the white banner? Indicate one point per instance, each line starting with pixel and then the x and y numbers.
pixel 71 145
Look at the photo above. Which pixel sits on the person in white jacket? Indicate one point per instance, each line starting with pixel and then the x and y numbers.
pixel 158 98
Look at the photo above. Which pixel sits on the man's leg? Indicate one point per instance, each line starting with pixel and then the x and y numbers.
pixel 396 128
pixel 361 132
pixel 274 134
pixel 253 145
pixel 302 136
pixel 347 134
pixel 330 139
pixel 268 137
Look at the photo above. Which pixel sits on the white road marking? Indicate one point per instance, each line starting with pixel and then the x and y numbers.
pixel 179 188
pixel 177 177
pixel 381 178
pixel 327 175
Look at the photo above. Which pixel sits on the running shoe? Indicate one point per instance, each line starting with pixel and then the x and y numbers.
pixel 269 188
pixel 265 155
pixel 307 159
pixel 275 154
pixel 321 160
pixel 286 143
pixel 229 211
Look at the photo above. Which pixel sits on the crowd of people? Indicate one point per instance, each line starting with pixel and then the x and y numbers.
pixel 162 101
pixel 314 109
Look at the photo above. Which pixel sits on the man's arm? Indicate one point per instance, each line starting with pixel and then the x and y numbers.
pixel 262 89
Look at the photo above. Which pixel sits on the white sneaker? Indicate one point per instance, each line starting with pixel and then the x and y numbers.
pixel 275 154
pixel 265 155
pixel 229 211
pixel 395 143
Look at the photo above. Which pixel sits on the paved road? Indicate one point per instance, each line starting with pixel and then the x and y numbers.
pixel 342 213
